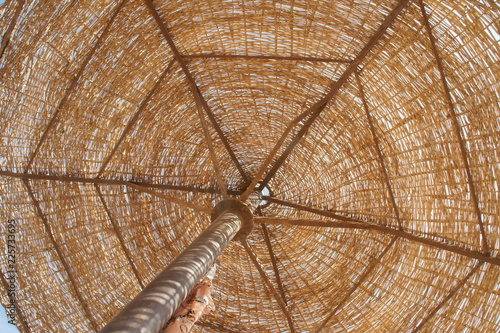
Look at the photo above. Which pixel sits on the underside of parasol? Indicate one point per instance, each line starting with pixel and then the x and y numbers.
pixel 371 127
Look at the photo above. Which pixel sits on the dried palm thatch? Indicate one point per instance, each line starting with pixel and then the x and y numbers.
pixel 375 125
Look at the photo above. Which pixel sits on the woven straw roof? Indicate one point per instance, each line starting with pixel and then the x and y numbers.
pixel 374 124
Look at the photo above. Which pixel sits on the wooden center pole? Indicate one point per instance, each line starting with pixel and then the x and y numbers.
pixel 150 310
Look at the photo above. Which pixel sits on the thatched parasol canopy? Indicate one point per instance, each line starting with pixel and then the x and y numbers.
pixel 372 127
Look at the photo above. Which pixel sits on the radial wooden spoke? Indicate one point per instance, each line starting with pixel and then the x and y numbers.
pixel 379 151
pixel 314 111
pixel 274 262
pixel 314 223
pixel 270 157
pixel 170 198
pixel 371 266
pixel 269 285
pixel 452 292
pixel 288 150
pixel 262 57
pixel 194 88
pixel 10 29
pixel 19 313
pixel 73 179
pixel 312 210
pixel 73 83
pixel 211 150
pixel 61 258
pixel 456 128
pixel 134 119
pixel 119 236
pixel 384 229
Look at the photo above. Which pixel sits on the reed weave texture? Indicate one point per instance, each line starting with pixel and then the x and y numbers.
pixel 373 127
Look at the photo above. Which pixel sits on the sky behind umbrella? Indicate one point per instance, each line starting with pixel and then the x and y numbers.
pixel 5 327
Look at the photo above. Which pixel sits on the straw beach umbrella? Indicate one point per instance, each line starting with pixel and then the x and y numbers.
pixel 353 144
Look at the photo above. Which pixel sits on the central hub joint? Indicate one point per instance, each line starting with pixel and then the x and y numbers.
pixel 242 209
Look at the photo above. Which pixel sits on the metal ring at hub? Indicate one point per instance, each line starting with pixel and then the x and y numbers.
pixel 237 207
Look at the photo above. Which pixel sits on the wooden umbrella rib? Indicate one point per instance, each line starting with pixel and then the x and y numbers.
pixel 313 223
pixel 318 107
pixel 379 151
pixel 456 128
pixel 118 234
pixel 75 179
pixel 381 228
pixel 169 198
pixel 10 29
pixel 73 84
pixel 269 285
pixel 134 119
pixel 211 150
pixel 72 281
pixel 304 283
pixel 371 266
pixel 315 110
pixel 311 210
pixel 194 87
pixel 17 308
pixel 271 155
pixel 263 57
pixel 452 292
pixel 274 262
